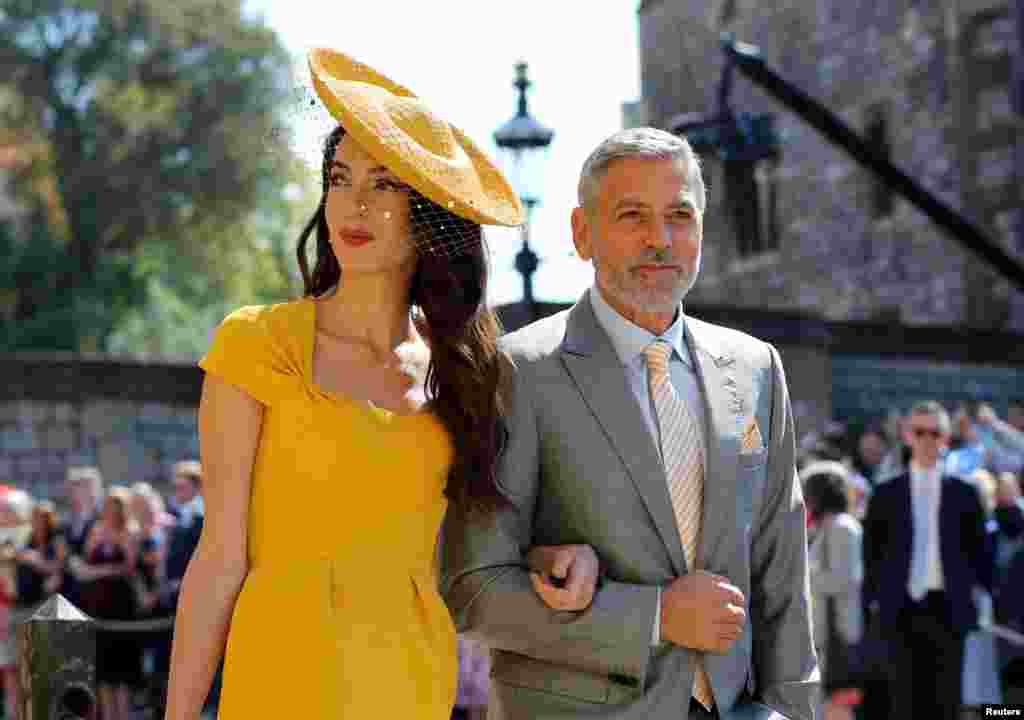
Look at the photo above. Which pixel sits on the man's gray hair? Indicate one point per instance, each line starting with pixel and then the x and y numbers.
pixel 935 409
pixel 18 502
pixel 643 142
pixel 87 475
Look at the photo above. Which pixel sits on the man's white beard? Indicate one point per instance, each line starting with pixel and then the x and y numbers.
pixel 645 300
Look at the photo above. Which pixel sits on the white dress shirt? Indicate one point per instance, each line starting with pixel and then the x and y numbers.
pixel 629 341
pixel 926 556
pixel 191 510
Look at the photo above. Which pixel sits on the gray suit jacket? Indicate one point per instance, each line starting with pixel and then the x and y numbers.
pixel 840 576
pixel 581 467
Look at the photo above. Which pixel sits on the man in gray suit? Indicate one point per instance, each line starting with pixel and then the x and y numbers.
pixel 668 478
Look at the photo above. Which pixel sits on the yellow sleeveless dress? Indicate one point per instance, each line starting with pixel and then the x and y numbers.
pixel 339 616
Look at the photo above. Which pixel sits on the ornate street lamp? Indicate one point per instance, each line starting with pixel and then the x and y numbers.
pixel 523 142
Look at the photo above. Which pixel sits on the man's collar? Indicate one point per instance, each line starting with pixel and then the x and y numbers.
pixel 917 471
pixel 629 339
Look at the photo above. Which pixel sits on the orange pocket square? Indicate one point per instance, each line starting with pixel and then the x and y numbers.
pixel 751 441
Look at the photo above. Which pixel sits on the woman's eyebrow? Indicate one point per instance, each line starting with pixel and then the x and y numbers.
pixel 373 171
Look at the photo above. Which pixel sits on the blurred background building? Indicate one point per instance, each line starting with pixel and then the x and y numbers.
pixel 871 304
pixel 928 83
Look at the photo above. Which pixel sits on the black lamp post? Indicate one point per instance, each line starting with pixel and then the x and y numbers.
pixel 523 141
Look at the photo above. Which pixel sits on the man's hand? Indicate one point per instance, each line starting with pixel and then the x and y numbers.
pixel 702 611
pixel 576 564
pixel 1008 491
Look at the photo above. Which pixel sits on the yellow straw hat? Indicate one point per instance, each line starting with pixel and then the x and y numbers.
pixel 400 132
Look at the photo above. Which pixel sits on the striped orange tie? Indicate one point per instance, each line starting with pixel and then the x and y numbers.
pixel 682 452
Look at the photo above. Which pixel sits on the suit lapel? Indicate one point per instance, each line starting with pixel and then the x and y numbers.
pixel 949 517
pixel 723 412
pixel 905 515
pixel 591 361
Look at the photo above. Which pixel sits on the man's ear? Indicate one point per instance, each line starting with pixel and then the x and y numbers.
pixel 581 233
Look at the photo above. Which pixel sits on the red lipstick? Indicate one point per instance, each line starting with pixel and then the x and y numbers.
pixel 355 236
pixel 655 268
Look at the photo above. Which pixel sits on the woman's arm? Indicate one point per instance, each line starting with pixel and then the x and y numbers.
pixel 85 570
pixel 90 540
pixel 126 568
pixel 130 545
pixel 229 431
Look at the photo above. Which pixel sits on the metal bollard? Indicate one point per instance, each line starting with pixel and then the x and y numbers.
pixel 57 663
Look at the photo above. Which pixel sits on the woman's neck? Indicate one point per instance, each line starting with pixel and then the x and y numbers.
pixel 370 308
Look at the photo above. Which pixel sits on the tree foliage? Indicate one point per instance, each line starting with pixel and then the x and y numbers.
pixel 155 147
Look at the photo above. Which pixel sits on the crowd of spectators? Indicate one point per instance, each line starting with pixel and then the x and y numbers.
pixel 844 474
pixel 119 555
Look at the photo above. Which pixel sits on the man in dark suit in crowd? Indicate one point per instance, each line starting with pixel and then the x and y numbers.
pixel 924 551
pixel 185 537
pixel 182 543
pixel 83 487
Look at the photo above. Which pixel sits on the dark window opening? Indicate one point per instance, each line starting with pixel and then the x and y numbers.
pixel 726 12
pixel 752 192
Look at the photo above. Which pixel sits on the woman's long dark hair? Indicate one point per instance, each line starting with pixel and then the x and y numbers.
pixel 464 377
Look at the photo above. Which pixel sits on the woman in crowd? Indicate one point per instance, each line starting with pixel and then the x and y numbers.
pixel 837 571
pixel 147 508
pixel 15 516
pixel 41 562
pixel 377 393
pixel 108 592
pixel 149 513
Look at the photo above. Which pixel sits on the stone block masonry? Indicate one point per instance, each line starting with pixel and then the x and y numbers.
pixel 133 419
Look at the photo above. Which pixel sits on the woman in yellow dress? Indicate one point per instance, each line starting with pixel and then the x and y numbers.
pixel 346 421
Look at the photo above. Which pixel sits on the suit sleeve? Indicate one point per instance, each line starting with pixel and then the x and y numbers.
pixel 847 569
pixel 983 559
pixel 487 586
pixel 844 577
pixel 784 662
pixel 874 540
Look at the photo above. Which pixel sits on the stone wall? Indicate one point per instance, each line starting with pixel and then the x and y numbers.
pixel 939 75
pixel 858 371
pixel 132 418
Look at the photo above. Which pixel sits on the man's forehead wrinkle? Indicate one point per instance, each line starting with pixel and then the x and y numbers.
pixel 685 198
